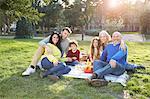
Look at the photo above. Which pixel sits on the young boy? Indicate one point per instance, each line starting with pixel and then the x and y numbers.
pixel 73 54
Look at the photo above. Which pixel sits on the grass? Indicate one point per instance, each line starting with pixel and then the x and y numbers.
pixel 130 32
pixel 16 54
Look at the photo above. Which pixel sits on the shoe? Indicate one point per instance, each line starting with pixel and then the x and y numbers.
pixel 94 76
pixel 131 71
pixel 98 82
pixel 42 75
pixel 88 80
pixel 140 67
pixel 28 71
pixel 53 77
pixel 40 66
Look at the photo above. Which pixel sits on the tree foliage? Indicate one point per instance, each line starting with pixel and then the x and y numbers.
pixel 145 23
pixel 13 10
pixel 74 15
pixel 25 28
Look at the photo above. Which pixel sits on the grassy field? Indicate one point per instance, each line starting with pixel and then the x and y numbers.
pixel 130 32
pixel 16 54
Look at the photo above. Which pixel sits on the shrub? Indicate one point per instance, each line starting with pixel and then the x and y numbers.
pixel 24 29
pixel 92 32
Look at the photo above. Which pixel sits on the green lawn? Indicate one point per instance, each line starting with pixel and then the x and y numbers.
pixel 130 32
pixel 16 54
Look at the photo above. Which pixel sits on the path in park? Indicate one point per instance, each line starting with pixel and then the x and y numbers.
pixel 126 37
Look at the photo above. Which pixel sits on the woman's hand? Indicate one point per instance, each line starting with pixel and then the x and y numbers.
pixel 55 63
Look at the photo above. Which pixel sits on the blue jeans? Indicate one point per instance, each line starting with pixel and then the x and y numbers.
pixel 130 66
pixel 72 63
pixel 46 64
pixel 58 70
pixel 102 68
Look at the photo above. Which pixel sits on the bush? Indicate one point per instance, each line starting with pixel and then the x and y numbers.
pixel 24 29
pixel 92 32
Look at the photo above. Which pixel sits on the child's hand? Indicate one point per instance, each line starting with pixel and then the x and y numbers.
pixel 74 58
pixel 69 59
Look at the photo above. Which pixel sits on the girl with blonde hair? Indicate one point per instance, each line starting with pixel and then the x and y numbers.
pixel 105 38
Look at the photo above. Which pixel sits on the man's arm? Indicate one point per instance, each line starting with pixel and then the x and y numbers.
pixel 121 53
pixel 44 41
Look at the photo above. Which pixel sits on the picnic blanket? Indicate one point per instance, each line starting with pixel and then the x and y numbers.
pixel 78 72
pixel 122 79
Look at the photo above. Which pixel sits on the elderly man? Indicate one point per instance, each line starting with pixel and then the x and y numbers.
pixel 112 60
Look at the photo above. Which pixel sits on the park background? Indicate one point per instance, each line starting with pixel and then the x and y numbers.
pixel 23 23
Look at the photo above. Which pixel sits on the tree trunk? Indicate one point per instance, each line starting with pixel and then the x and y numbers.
pixel 0 30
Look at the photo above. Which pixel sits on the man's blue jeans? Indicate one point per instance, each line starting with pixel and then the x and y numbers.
pixel 129 67
pixel 102 68
pixel 58 70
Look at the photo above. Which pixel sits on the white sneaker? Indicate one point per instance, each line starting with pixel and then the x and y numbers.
pixel 28 71
pixel 40 65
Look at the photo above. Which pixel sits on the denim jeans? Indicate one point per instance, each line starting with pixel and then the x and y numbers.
pixel 102 68
pixel 72 63
pixel 46 64
pixel 129 67
pixel 58 70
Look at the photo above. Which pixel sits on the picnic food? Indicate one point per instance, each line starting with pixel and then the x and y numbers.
pixel 89 67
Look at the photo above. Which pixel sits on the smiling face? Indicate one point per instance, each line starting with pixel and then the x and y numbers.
pixel 73 47
pixel 64 34
pixel 116 37
pixel 55 39
pixel 95 43
pixel 104 37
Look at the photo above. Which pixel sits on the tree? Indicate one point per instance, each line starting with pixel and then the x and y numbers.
pixel 145 23
pixel 53 14
pixel 15 9
pixel 112 25
pixel 1 21
pixel 24 28
pixel 74 15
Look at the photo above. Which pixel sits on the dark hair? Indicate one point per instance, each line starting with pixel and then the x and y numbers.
pixel 58 43
pixel 67 29
pixel 73 42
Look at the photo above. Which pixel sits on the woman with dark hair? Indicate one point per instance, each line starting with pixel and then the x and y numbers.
pixel 59 40
pixel 43 45
pixel 51 59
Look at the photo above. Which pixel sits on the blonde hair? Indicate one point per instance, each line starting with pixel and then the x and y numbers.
pixel 123 45
pixel 92 47
pixel 108 37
